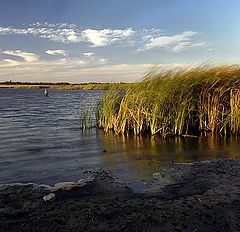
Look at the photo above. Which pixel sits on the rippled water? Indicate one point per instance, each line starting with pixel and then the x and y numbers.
pixel 41 141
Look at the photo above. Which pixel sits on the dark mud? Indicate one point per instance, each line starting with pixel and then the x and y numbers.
pixel 202 196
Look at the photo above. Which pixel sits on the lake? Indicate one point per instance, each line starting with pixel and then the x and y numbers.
pixel 41 141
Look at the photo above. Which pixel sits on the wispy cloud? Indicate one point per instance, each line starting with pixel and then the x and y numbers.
pixel 175 43
pixel 200 44
pixel 70 34
pixel 88 54
pixel 102 61
pixel 64 35
pixel 56 52
pixel 27 56
pixel 180 46
pixel 65 70
pixel 59 25
pixel 141 40
pixel 105 37
pixel 9 62
pixel 187 45
pixel 32 60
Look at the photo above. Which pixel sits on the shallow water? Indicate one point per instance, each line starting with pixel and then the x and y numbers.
pixel 41 141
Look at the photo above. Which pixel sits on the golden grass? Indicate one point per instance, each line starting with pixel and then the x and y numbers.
pixel 177 102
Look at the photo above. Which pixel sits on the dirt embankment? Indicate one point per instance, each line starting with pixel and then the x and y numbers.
pixel 203 196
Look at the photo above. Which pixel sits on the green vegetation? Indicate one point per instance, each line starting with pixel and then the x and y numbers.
pixel 176 102
pixel 95 86
pixel 30 86
pixel 67 86
pixel 85 119
pixel 32 83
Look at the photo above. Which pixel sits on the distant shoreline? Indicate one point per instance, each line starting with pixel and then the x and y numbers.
pixel 84 86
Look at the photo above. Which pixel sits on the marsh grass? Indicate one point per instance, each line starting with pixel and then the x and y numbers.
pixel 106 116
pixel 30 86
pixel 85 119
pixel 176 102
pixel 86 116
pixel 94 86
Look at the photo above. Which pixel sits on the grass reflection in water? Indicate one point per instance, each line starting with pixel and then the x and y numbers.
pixel 144 155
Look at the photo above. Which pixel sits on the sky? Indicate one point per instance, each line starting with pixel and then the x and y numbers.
pixel 80 41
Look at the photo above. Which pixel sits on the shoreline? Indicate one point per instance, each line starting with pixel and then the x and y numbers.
pixel 202 196
pixel 88 86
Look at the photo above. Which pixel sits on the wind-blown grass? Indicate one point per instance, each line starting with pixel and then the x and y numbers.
pixel 176 102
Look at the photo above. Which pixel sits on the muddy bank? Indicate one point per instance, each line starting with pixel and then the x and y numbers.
pixel 202 196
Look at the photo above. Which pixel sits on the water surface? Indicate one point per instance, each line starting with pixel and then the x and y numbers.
pixel 41 141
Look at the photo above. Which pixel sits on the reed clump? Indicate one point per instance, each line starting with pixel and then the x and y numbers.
pixel 176 102
pixel 85 119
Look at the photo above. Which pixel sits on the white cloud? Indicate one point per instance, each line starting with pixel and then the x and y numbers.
pixel 60 25
pixel 59 35
pixel 180 46
pixel 102 61
pixel 89 54
pixel 200 44
pixel 73 37
pixel 30 60
pixel 27 56
pixel 105 37
pixel 68 33
pixel 9 63
pixel 144 39
pixel 72 70
pixel 56 52
pixel 176 42
pixel 65 35
pixel 186 45
pixel 67 69
pixel 81 62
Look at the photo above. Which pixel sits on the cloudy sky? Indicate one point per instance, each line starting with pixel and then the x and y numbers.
pixel 112 40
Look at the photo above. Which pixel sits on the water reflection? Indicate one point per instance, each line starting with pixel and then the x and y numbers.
pixel 143 155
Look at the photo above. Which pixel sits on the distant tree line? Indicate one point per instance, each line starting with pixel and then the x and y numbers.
pixel 53 83
pixel 32 83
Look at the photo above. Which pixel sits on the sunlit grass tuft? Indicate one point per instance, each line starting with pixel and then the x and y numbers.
pixel 176 102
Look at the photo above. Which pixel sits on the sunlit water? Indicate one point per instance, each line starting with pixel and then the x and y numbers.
pixel 41 141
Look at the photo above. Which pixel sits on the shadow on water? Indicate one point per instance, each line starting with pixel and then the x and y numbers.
pixel 41 141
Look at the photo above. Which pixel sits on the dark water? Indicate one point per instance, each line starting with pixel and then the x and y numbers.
pixel 41 141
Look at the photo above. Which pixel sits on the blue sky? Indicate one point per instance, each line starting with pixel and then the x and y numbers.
pixel 113 41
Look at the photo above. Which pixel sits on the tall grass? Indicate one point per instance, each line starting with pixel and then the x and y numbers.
pixel 85 119
pixel 176 102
